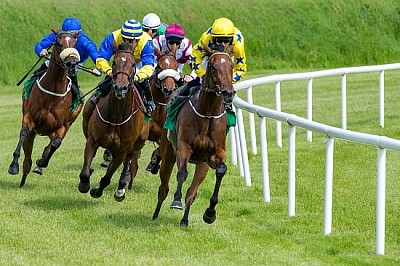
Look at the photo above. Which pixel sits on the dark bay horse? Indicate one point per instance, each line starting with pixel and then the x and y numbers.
pixel 162 85
pixel 199 138
pixel 46 112
pixel 116 124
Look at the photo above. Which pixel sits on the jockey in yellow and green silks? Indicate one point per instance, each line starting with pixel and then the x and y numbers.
pixel 222 32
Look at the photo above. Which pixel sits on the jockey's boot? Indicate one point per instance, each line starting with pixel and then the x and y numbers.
pixel 185 90
pixel 148 101
pixel 102 90
pixel 75 87
pixel 107 157
pixel 38 72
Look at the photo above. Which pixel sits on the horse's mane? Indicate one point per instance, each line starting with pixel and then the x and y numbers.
pixel 125 46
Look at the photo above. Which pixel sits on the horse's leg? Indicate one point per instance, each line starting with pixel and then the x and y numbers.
pixel 134 166
pixel 14 166
pixel 182 158
pixel 198 177
pixel 124 179
pixel 167 164
pixel 154 164
pixel 46 150
pixel 28 147
pixel 210 215
pixel 84 176
pixel 54 144
pixel 97 192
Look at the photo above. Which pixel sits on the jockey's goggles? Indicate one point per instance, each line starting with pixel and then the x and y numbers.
pixel 227 40
pixel 147 30
pixel 172 41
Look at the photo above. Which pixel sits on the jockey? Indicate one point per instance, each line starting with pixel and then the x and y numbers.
pixel 175 36
pixel 85 46
pixel 131 31
pixel 153 26
pixel 222 34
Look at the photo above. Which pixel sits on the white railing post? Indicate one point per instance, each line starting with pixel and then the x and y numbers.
pixel 292 171
pixel 243 147
pixel 382 98
pixel 309 106
pixel 344 102
pixel 278 108
pixel 380 201
pixel 264 158
pixel 252 128
pixel 328 185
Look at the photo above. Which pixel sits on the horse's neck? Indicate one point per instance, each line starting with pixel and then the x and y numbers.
pixel 158 95
pixel 119 109
pixel 209 103
pixel 55 76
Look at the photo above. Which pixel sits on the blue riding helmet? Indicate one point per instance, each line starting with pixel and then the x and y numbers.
pixel 70 24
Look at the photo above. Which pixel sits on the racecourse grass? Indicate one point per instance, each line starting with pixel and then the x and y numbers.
pixel 49 222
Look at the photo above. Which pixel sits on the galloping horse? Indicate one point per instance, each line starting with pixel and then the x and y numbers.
pixel 163 84
pixel 116 124
pixel 46 111
pixel 200 133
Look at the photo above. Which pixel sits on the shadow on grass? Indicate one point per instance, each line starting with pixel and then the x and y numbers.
pixel 60 203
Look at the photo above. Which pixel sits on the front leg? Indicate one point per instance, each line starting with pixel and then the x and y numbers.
pixel 89 153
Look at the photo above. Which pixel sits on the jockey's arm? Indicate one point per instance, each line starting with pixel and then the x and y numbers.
pixel 106 50
pixel 45 43
pixel 147 59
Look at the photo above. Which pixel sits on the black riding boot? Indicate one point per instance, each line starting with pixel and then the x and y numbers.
pixel 186 89
pixel 38 72
pixel 148 101
pixel 74 86
pixel 102 90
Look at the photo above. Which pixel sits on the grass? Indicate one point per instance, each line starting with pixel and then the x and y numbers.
pixel 49 222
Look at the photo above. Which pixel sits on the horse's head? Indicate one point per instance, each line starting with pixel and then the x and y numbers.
pixel 167 72
pixel 219 75
pixel 65 53
pixel 123 69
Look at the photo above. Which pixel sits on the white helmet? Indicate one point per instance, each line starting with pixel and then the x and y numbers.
pixel 151 21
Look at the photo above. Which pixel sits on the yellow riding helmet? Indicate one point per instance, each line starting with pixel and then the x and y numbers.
pixel 222 27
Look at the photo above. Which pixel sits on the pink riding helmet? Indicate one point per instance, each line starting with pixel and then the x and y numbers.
pixel 175 30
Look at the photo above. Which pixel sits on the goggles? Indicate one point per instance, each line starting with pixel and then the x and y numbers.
pixel 172 41
pixel 148 29
pixel 228 40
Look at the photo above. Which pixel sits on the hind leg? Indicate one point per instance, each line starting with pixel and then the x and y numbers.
pixel 134 166
pixel 182 157
pixel 154 164
pixel 167 164
pixel 124 179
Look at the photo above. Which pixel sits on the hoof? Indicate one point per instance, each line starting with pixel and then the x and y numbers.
pixel 209 216
pixel 119 195
pixel 105 164
pixel 83 187
pixel 184 223
pixel 38 170
pixel 154 169
pixel 96 193
pixel 13 170
pixel 176 204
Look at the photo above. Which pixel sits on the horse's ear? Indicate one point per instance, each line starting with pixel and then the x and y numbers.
pixel 157 52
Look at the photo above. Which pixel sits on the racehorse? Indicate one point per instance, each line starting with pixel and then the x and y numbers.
pixel 116 124
pixel 163 84
pixel 200 133
pixel 46 112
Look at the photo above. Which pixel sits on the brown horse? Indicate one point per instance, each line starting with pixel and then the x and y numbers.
pixel 46 111
pixel 162 85
pixel 116 124
pixel 199 138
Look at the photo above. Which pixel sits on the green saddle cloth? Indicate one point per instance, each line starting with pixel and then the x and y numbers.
pixel 76 101
pixel 176 104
